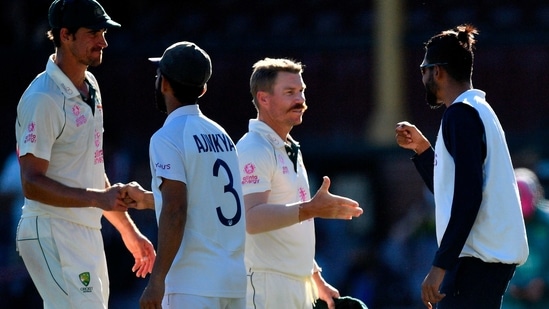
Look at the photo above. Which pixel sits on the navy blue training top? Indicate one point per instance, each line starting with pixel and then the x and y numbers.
pixel 464 137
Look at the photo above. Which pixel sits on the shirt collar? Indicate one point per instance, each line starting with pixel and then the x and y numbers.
pixel 469 94
pixel 183 110
pixel 62 80
pixel 269 134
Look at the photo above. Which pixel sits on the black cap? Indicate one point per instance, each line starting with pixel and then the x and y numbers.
pixel 79 13
pixel 185 63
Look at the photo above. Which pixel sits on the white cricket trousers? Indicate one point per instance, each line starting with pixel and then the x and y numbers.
pixel 66 262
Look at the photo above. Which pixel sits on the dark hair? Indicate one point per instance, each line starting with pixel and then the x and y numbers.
pixel 185 94
pixel 454 48
pixel 54 35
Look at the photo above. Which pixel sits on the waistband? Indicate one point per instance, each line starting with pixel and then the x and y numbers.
pixel 310 286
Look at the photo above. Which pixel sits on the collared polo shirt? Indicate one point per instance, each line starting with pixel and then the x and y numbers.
pixel 265 165
pixel 55 124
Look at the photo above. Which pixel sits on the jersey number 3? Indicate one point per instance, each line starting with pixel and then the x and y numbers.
pixel 230 189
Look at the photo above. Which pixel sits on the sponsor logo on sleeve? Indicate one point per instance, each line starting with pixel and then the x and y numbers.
pixel 249 177
pixel 31 133
pixel 162 166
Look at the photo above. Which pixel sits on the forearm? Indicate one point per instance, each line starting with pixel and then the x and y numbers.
pixel 326 292
pixel 148 201
pixel 121 221
pixel 316 268
pixel 171 228
pixel 48 191
pixel 267 217
pixel 317 276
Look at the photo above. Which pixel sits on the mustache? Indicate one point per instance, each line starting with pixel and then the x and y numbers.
pixel 302 106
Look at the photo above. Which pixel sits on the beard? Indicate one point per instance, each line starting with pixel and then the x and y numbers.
pixel 159 98
pixel 430 94
pixel 91 59
pixel 97 61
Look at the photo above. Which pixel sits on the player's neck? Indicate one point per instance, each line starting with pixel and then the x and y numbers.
pixel 74 70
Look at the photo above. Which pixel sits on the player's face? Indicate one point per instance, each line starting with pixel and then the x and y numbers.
pixel 86 46
pixel 430 88
pixel 285 105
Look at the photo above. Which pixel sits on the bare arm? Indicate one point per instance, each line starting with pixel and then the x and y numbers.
pixel 37 186
pixel 262 216
pixel 138 245
pixel 171 225
pixel 326 292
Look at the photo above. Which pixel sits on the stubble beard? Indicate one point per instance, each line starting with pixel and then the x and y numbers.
pixel 96 61
pixel 159 98
pixel 430 94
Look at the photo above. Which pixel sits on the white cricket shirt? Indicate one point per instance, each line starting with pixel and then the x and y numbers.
pixel 193 149
pixel 55 124
pixel 264 165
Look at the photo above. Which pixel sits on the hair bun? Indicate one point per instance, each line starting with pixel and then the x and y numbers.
pixel 466 35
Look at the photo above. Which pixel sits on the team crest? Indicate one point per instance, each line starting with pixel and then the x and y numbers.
pixel 84 278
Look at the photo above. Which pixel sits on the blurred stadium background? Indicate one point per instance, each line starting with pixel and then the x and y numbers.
pixel 362 77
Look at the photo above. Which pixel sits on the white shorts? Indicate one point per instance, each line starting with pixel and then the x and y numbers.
pixel 66 262
pixel 178 300
pixel 268 290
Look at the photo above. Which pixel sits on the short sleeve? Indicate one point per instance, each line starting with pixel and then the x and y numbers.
pixel 39 123
pixel 257 163
pixel 167 159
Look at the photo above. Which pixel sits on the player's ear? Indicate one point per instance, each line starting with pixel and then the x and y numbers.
pixel 439 72
pixel 64 34
pixel 262 97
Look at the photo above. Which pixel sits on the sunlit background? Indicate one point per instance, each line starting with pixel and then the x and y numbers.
pixel 362 73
